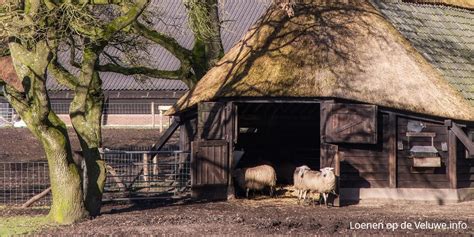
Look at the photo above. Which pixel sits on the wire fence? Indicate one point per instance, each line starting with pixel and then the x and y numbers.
pixel 119 107
pixel 19 181
pixel 130 175
pixel 7 115
pixel 114 114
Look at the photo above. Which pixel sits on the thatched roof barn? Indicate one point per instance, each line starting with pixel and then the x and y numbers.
pixel 380 90
pixel 391 54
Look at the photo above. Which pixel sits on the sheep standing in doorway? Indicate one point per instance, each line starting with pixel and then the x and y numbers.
pixel 256 178
pixel 322 182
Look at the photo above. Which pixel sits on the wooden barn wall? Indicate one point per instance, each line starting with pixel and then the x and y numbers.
pixel 421 178
pixel 465 167
pixel 366 165
pixel 187 132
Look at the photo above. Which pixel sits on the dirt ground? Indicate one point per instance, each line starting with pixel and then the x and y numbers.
pixel 18 144
pixel 280 216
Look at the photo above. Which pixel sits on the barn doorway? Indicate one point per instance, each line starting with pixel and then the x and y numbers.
pixel 285 135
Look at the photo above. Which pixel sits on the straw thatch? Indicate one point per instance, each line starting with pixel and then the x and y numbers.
pixel 346 51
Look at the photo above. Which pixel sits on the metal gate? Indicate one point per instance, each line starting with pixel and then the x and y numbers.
pixel 147 174
pixel 130 175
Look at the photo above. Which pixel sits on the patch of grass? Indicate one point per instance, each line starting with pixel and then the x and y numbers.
pixel 18 225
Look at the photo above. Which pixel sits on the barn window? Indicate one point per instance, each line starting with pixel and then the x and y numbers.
pixel 350 123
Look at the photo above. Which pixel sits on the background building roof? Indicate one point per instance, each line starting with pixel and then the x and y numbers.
pixel 443 35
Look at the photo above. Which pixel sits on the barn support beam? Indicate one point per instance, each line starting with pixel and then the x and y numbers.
pixel 392 152
pixel 167 135
pixel 461 135
pixel 452 158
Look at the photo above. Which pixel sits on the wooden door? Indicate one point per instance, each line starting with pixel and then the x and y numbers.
pixel 212 150
pixel 210 169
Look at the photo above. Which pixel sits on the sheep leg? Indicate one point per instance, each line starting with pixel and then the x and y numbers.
pixel 325 196
pixel 247 193
pixel 271 191
pixel 298 193
pixel 305 192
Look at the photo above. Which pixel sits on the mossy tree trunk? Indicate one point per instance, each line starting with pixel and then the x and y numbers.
pixel 86 108
pixel 34 108
pixel 85 112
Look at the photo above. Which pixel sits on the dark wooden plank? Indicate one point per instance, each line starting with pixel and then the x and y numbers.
pixel 363 168
pixel 392 152
pixel 452 146
pixel 408 169
pixel 465 184
pixel 350 123
pixel 364 176
pixel 463 138
pixel 360 160
pixel 193 166
pixel 211 120
pixel 363 184
pixel 424 178
pixel 415 184
pixel 337 171
pixel 421 134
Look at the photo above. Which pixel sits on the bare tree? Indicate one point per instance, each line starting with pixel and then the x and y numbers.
pixel 32 32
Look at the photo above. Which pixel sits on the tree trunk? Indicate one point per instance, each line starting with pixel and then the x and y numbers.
pixel 86 113
pixel 35 109
pixel 67 206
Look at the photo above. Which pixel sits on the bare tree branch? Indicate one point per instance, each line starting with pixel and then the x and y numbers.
pixel 62 75
pixel 165 41
pixel 151 72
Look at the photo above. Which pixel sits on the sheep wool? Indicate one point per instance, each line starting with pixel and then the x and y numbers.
pixel 256 178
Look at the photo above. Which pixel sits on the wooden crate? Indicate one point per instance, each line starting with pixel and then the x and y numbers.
pixel 426 161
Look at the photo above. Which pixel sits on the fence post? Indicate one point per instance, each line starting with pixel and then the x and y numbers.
pixel 145 167
pixel 161 121
pixel 155 165
pixel 153 114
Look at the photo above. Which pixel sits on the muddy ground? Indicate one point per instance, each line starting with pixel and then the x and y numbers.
pixel 19 145
pixel 281 216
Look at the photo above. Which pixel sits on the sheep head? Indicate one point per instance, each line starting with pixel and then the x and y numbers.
pixel 302 170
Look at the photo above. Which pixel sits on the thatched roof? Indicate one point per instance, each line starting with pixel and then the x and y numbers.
pixel 347 51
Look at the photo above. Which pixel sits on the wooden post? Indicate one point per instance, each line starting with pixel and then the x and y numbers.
pixel 452 158
pixel 392 152
pixel 231 137
pixel 161 120
pixel 153 114
pixel 155 165
pixel 337 171
pixel 145 167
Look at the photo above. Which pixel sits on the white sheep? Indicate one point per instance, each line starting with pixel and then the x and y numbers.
pixel 323 182
pixel 297 180
pixel 256 178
